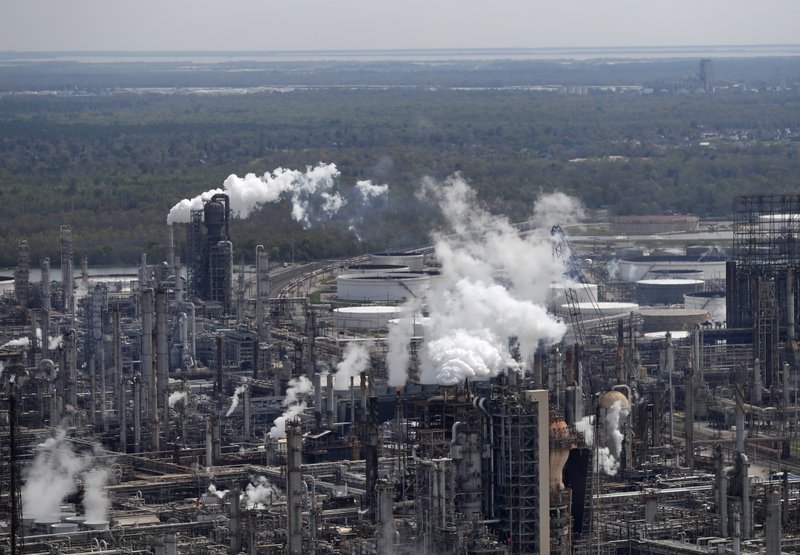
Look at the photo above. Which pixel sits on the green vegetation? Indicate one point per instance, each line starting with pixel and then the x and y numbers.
pixel 111 166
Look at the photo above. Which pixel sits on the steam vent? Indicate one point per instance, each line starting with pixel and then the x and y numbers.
pixel 450 399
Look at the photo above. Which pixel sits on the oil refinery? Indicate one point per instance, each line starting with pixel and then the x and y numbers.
pixel 507 389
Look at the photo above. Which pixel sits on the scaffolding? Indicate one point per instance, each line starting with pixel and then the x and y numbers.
pixel 766 244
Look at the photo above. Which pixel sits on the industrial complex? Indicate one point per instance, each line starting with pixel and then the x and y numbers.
pixel 522 388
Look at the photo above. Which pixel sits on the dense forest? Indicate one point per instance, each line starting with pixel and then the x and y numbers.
pixel 112 163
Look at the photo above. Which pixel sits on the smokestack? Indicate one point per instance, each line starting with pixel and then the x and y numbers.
pixel 387 531
pixel 85 271
pixel 170 247
pixel 209 443
pixel 329 406
pixel 148 368
pixel 739 419
pixel 70 352
pixel 162 354
pixel 773 529
pixel 137 414
pixel 352 405
pixel 46 304
pixel 262 292
pixel 363 398
pixel 240 295
pixel 66 267
pixel 758 385
pixel 246 410
pixel 294 486
pixel 119 384
pixel 317 399
pixel 235 522
pixel 786 390
pixel 689 423
pixel 669 363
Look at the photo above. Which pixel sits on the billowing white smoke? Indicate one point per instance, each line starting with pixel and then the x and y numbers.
pixel 355 360
pixel 54 343
pixel 494 285
pixel 19 342
pixel 220 494
pixel 368 191
pixel 398 355
pixel 235 399
pixel 95 498
pixel 310 190
pixel 295 405
pixel 51 476
pixel 607 457
pixel 176 396
pixel 259 493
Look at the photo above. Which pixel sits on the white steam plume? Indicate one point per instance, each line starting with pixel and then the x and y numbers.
pixel 235 399
pixel 295 405
pixel 259 493
pixel 51 476
pixel 19 342
pixel 494 284
pixel 368 191
pixel 607 456
pixel 54 343
pixel 176 396
pixel 95 498
pixel 212 489
pixel 309 191
pixel 398 356
pixel 355 360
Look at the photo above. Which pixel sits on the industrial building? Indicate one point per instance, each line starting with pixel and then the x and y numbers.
pixel 204 410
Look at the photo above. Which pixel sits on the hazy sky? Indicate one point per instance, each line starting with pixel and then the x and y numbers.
pixel 388 24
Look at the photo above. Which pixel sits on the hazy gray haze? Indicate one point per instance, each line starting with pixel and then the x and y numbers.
pixel 385 24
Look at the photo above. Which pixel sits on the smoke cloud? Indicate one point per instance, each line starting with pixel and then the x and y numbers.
pixel 311 192
pixel 19 342
pixel 355 361
pixel 95 498
pixel 398 356
pixel 607 456
pixel 295 405
pixel 220 494
pixel 259 493
pixel 494 284
pixel 177 396
pixel 368 191
pixel 51 476
pixel 235 399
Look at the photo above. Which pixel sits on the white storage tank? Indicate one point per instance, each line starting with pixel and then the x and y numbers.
pixel 375 269
pixel 713 302
pixel 585 293
pixel 393 287
pixel 415 262
pixel 636 268
pixel 666 290
pixel 666 319
pixel 590 311
pixel 365 317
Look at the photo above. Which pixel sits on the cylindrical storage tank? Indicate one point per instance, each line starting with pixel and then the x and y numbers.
pixel 605 309
pixel 75 519
pixel 395 287
pixel 674 273
pixel 713 302
pixel 585 293
pixel 44 524
pixel 63 528
pixel 666 291
pixel 365 317
pixel 704 250
pixel 636 268
pixel 376 269
pixel 665 319
pixel 96 525
pixel 414 261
